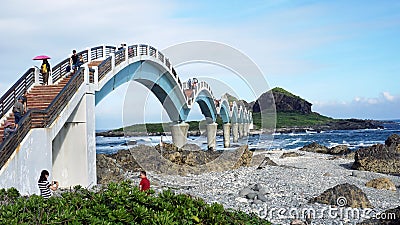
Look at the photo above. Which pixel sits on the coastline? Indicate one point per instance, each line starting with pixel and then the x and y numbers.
pixel 342 124
pixel 290 185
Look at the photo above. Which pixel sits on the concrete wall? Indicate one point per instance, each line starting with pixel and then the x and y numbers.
pixel 23 169
pixel 67 149
pixel 73 158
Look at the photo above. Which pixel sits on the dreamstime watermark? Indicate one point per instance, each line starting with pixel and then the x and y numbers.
pixel 340 214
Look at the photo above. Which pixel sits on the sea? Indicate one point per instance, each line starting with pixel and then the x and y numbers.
pixel 354 139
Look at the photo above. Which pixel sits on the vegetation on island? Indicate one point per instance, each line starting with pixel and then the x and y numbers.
pixel 291 119
pixel 119 203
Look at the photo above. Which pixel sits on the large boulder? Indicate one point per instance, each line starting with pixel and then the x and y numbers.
pixel 339 150
pixel 381 183
pixel 389 217
pixel 266 162
pixel 346 194
pixel 108 170
pixel 245 158
pixel 115 167
pixel 393 142
pixel 315 147
pixel 377 158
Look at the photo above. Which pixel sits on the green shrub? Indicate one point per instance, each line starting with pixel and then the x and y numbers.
pixel 119 203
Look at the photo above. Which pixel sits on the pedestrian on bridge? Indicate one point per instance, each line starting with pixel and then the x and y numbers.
pixel 45 70
pixel 18 110
pixel 9 128
pixel 74 61
pixel 45 186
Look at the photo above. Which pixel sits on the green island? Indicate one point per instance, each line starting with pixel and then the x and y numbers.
pixel 117 203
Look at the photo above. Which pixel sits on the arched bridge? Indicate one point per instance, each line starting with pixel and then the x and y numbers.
pixel 58 130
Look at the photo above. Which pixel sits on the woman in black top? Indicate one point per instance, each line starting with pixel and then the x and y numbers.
pixel 44 185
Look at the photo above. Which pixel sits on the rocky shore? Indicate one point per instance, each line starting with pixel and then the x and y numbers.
pixel 314 185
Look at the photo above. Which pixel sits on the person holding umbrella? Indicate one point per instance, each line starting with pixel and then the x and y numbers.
pixel 44 68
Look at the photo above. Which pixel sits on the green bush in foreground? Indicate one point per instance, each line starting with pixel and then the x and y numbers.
pixel 116 204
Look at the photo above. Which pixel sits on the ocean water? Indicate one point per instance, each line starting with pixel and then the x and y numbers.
pixel 352 138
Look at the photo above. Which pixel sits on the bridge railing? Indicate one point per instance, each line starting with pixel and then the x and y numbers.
pixel 60 70
pixel 35 118
pixel 104 68
pixel 23 84
pixel 119 56
pixel 96 53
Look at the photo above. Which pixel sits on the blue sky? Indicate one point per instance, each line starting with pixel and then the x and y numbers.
pixel 342 56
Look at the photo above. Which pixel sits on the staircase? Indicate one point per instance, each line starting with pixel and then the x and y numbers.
pixel 39 97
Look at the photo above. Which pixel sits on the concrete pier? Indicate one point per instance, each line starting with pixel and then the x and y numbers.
pixel 235 132
pixel 245 129
pixel 179 134
pixel 212 135
pixel 241 130
pixel 227 134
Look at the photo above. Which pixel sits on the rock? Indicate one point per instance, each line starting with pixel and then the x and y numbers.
pixel 327 174
pixel 381 183
pixel 113 167
pixel 388 217
pixel 251 195
pixel 393 142
pixel 191 147
pixel 108 170
pixel 350 155
pixel 245 158
pixel 297 222
pixel 261 197
pixel 290 154
pixel 240 199
pixel 339 150
pixel 359 174
pixel 377 158
pixel 257 187
pixel 266 162
pixel 343 195
pixel 245 191
pixel 315 147
pixel 257 202
pixel 263 191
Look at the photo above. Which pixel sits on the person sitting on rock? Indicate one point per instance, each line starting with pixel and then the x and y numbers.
pixel 144 183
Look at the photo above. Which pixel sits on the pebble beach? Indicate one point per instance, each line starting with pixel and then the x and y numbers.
pixel 288 188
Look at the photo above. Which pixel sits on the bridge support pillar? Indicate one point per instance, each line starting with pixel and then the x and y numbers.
pixel 211 136
pixel 235 132
pixel 227 133
pixel 179 134
pixel 245 129
pixel 241 130
pixel 74 147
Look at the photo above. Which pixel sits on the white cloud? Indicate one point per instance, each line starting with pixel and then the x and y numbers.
pixel 385 106
pixel 388 96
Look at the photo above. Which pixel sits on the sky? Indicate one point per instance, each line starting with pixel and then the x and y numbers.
pixel 342 56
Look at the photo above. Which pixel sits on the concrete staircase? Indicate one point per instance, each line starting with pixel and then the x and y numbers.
pixel 39 97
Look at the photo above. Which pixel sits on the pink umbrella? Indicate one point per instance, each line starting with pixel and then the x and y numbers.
pixel 41 57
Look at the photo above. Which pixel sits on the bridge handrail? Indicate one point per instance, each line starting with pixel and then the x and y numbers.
pixel 119 56
pixel 35 118
pixel 104 67
pixel 96 52
pixel 63 97
pixel 7 101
